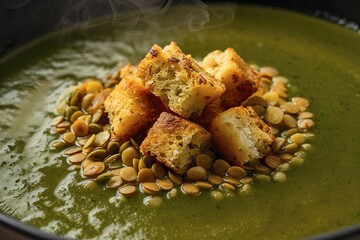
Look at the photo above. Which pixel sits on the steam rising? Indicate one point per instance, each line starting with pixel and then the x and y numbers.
pixel 157 14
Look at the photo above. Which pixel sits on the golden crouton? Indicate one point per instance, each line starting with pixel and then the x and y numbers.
pixel 178 80
pixel 175 142
pixel 209 113
pixel 240 136
pixel 131 108
pixel 240 80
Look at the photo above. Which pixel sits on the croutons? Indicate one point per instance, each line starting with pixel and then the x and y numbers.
pixel 131 108
pixel 209 113
pixel 178 80
pixel 240 135
pixel 240 79
pixel 175 142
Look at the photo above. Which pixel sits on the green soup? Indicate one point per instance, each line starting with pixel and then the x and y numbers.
pixel 321 61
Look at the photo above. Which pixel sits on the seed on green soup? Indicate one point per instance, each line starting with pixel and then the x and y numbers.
pixel 115 164
pixel 158 170
pixel 301 102
pixel 58 144
pixel 190 189
pixel 70 111
pixel 211 154
pixel 273 115
pixel 261 168
pixel 73 150
pixel 204 160
pixel 217 195
pixel 103 177
pixel 247 180
pixel 69 137
pixel 94 128
pixel 172 193
pixel 263 178
pixel 297 138
pixel 300 154
pixel 114 182
pixel 304 115
pixel 64 124
pixel 128 155
pixel 196 173
pixel 97 115
pixel 94 169
pixel 76 115
pixel 289 121
pixel 135 163
pixel 296 161
pixel 112 147
pixel 128 174
pixel 227 186
pixel 203 184
pixel 146 175
pixel 175 178
pixel 278 144
pixel 165 184
pixel 236 172
pixel 124 146
pixel 272 161
pixel 59 130
pixel 306 123
pixel 286 157
pixel 271 98
pixel 90 141
pixel 245 189
pixel 280 79
pixel 215 179
pixel 269 71
pixel 260 110
pixel 80 128
pixel 127 190
pixel 284 167
pixel 86 100
pixel 92 185
pixel 101 138
pixel 220 167
pixel 290 132
pixel 232 180
pixel 279 177
pixel 76 158
pixel 290 107
pixel 98 154
pixel 255 100
pixel 152 201
pixel 57 120
pixel 141 164
pixel 291 147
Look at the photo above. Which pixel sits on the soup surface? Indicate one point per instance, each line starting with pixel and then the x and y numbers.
pixel 321 61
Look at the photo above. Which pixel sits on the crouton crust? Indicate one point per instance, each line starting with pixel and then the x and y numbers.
pixel 131 108
pixel 240 135
pixel 240 79
pixel 178 80
pixel 175 142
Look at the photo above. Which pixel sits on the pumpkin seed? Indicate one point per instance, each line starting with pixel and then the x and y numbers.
pixel 297 138
pixel 255 100
pixel 196 173
pixel 107 127
pixel 58 144
pixel 90 141
pixel 159 170
pixel 273 115
pixel 70 111
pixel 279 177
pixel 92 185
pixel 115 164
pixel 75 98
pixel 220 167
pixel 286 157
pixel 304 115
pixel 278 144
pixel 93 87
pixel 190 189
pixel 64 124
pixel 69 137
pixel 226 186
pixel 260 110
pixel 245 189
pixel 271 98
pixel 76 158
pixel 146 175
pixel 128 155
pixel 93 169
pixel 300 154
pixel 232 180
pixel 116 172
pixel 128 174
pixel 263 178
pixel 114 182
pixel 290 132
pixel 261 168
pixel 236 172
pixel 165 184
pixel 86 100
pixel 152 201
pixel 172 193
pixel 103 177
pixel 284 167
pixel 135 144
pixel 98 154
pixel 296 161
pixel 274 130
pixel 141 164
pixel 86 118
pixel 268 71
pixel 306 146
pixel 59 130
pixel 127 190
pixel 272 161
pixel 290 107
pixel 76 115
pixel 175 178
pixel 80 128
pixel 289 121
pixel 203 184
pixel 291 147
pixel 101 138
pixel 306 123
pixel 112 147
pixel 95 128
pixel 301 102
pixel 97 115
pixel 85 163
pixel 247 180
pixel 73 150
pixel 150 187
pixel 211 154
pixel 215 179
pixel 57 120
pixel 217 195
pixel 124 146
pixel 112 158
pixel 81 142
pixel 135 163
pixel 204 160
pixel 282 79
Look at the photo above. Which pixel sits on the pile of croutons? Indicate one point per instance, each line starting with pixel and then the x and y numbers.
pixel 186 107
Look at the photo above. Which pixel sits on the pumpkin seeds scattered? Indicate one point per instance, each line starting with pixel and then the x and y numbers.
pixel 101 138
pixel 165 184
pixel 76 158
pixel 204 185
pixel 236 172
pixel 146 175
pixel 196 173
pixel 128 155
pixel 69 137
pixel 98 154
pixel 93 169
pixel 220 167
pixel 57 120
pixel 128 174
pixel 273 115
pixel 80 128
pixel 204 160
pixel 127 190
pixel 158 170
pixel 114 182
pixel 190 189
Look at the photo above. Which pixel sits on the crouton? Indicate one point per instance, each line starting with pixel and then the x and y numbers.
pixel 129 71
pixel 240 80
pixel 209 113
pixel 131 108
pixel 175 142
pixel 178 80
pixel 240 135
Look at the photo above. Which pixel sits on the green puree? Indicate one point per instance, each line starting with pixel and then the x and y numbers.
pixel 320 59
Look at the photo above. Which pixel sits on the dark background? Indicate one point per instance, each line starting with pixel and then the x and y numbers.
pixel 24 20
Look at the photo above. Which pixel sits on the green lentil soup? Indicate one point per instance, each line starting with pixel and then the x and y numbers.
pixel 40 187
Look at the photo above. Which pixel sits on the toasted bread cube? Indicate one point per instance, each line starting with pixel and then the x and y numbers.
pixel 175 142
pixel 178 80
pixel 240 135
pixel 240 80
pixel 209 113
pixel 131 108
